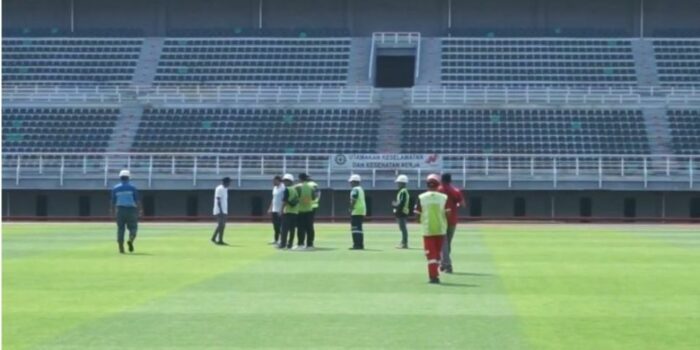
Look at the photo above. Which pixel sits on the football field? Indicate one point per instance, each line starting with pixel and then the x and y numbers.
pixel 515 286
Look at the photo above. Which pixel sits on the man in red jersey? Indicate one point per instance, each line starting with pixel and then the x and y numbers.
pixel 455 200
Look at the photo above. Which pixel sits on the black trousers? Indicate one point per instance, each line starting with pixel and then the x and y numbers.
pixel 276 225
pixel 127 218
pixel 289 225
pixel 358 238
pixel 312 230
pixel 220 227
pixel 305 231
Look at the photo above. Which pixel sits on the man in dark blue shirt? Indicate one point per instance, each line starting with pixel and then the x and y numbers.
pixel 126 200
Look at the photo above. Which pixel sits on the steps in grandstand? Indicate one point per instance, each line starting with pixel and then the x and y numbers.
pixel 147 64
pixel 658 130
pixel 358 67
pixel 390 114
pixel 125 131
pixel 430 58
pixel 645 63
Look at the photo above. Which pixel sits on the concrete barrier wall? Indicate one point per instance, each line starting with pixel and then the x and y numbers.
pixel 360 16
pixel 247 203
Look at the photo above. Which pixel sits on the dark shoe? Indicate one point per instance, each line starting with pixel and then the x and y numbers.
pixel 356 248
pixel 221 243
pixel 447 269
pixel 434 281
pixel 131 246
pixel 121 248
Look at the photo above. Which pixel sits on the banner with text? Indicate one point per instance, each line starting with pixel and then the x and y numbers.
pixel 387 161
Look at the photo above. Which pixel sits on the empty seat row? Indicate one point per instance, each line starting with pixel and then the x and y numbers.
pixel 524 131
pixel 39 129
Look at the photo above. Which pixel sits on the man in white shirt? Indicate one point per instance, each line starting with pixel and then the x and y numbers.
pixel 221 210
pixel 276 207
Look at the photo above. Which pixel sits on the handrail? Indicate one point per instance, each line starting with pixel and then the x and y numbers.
pixel 506 168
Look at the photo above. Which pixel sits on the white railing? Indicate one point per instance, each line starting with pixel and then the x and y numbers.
pixel 257 95
pixel 509 170
pixel 60 94
pixel 396 38
pixel 205 94
pixel 584 96
pixel 189 94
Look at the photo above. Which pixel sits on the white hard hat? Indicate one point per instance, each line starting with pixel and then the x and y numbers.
pixel 402 179
pixel 433 178
pixel 354 178
pixel 125 172
pixel 288 177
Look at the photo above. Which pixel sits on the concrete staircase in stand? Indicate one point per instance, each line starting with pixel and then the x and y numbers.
pixel 391 111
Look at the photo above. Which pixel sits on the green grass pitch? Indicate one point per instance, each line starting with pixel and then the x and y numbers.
pixel 528 286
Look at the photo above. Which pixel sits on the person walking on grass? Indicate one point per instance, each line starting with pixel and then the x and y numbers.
pixel 432 209
pixel 358 210
pixel 275 208
pixel 455 200
pixel 401 209
pixel 125 208
pixel 221 210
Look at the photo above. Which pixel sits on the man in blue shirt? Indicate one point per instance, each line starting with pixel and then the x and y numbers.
pixel 126 200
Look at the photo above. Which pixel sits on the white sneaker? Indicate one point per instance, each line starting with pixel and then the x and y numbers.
pixel 299 247
pixel 275 243
pixel 309 248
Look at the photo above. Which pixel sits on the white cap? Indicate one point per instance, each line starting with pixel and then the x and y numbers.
pixel 354 178
pixel 402 179
pixel 288 177
pixel 433 177
pixel 125 172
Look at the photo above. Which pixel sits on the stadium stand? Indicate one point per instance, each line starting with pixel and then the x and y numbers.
pixel 255 61
pixel 685 131
pixel 248 32
pixel 257 130
pixel 70 60
pixel 678 61
pixel 537 62
pixel 538 32
pixel 556 131
pixel 57 129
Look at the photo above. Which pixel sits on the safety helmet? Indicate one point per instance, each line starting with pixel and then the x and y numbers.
pixel 288 177
pixel 435 178
pixel 125 173
pixel 354 178
pixel 402 179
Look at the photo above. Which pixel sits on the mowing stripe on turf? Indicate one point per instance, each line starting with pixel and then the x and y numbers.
pixel 329 298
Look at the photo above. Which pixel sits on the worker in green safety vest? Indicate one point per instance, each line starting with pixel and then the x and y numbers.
pixel 401 209
pixel 358 210
pixel 432 208
pixel 307 195
pixel 290 210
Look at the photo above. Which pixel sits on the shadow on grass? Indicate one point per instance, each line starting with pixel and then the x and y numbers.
pixel 140 254
pixel 227 245
pixel 458 285
pixel 473 274
pixel 323 249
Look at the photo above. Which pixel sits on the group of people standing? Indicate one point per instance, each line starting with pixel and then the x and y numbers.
pixel 293 209
pixel 293 206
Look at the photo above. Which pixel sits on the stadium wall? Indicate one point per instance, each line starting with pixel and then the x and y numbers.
pixel 361 17
pixel 250 204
